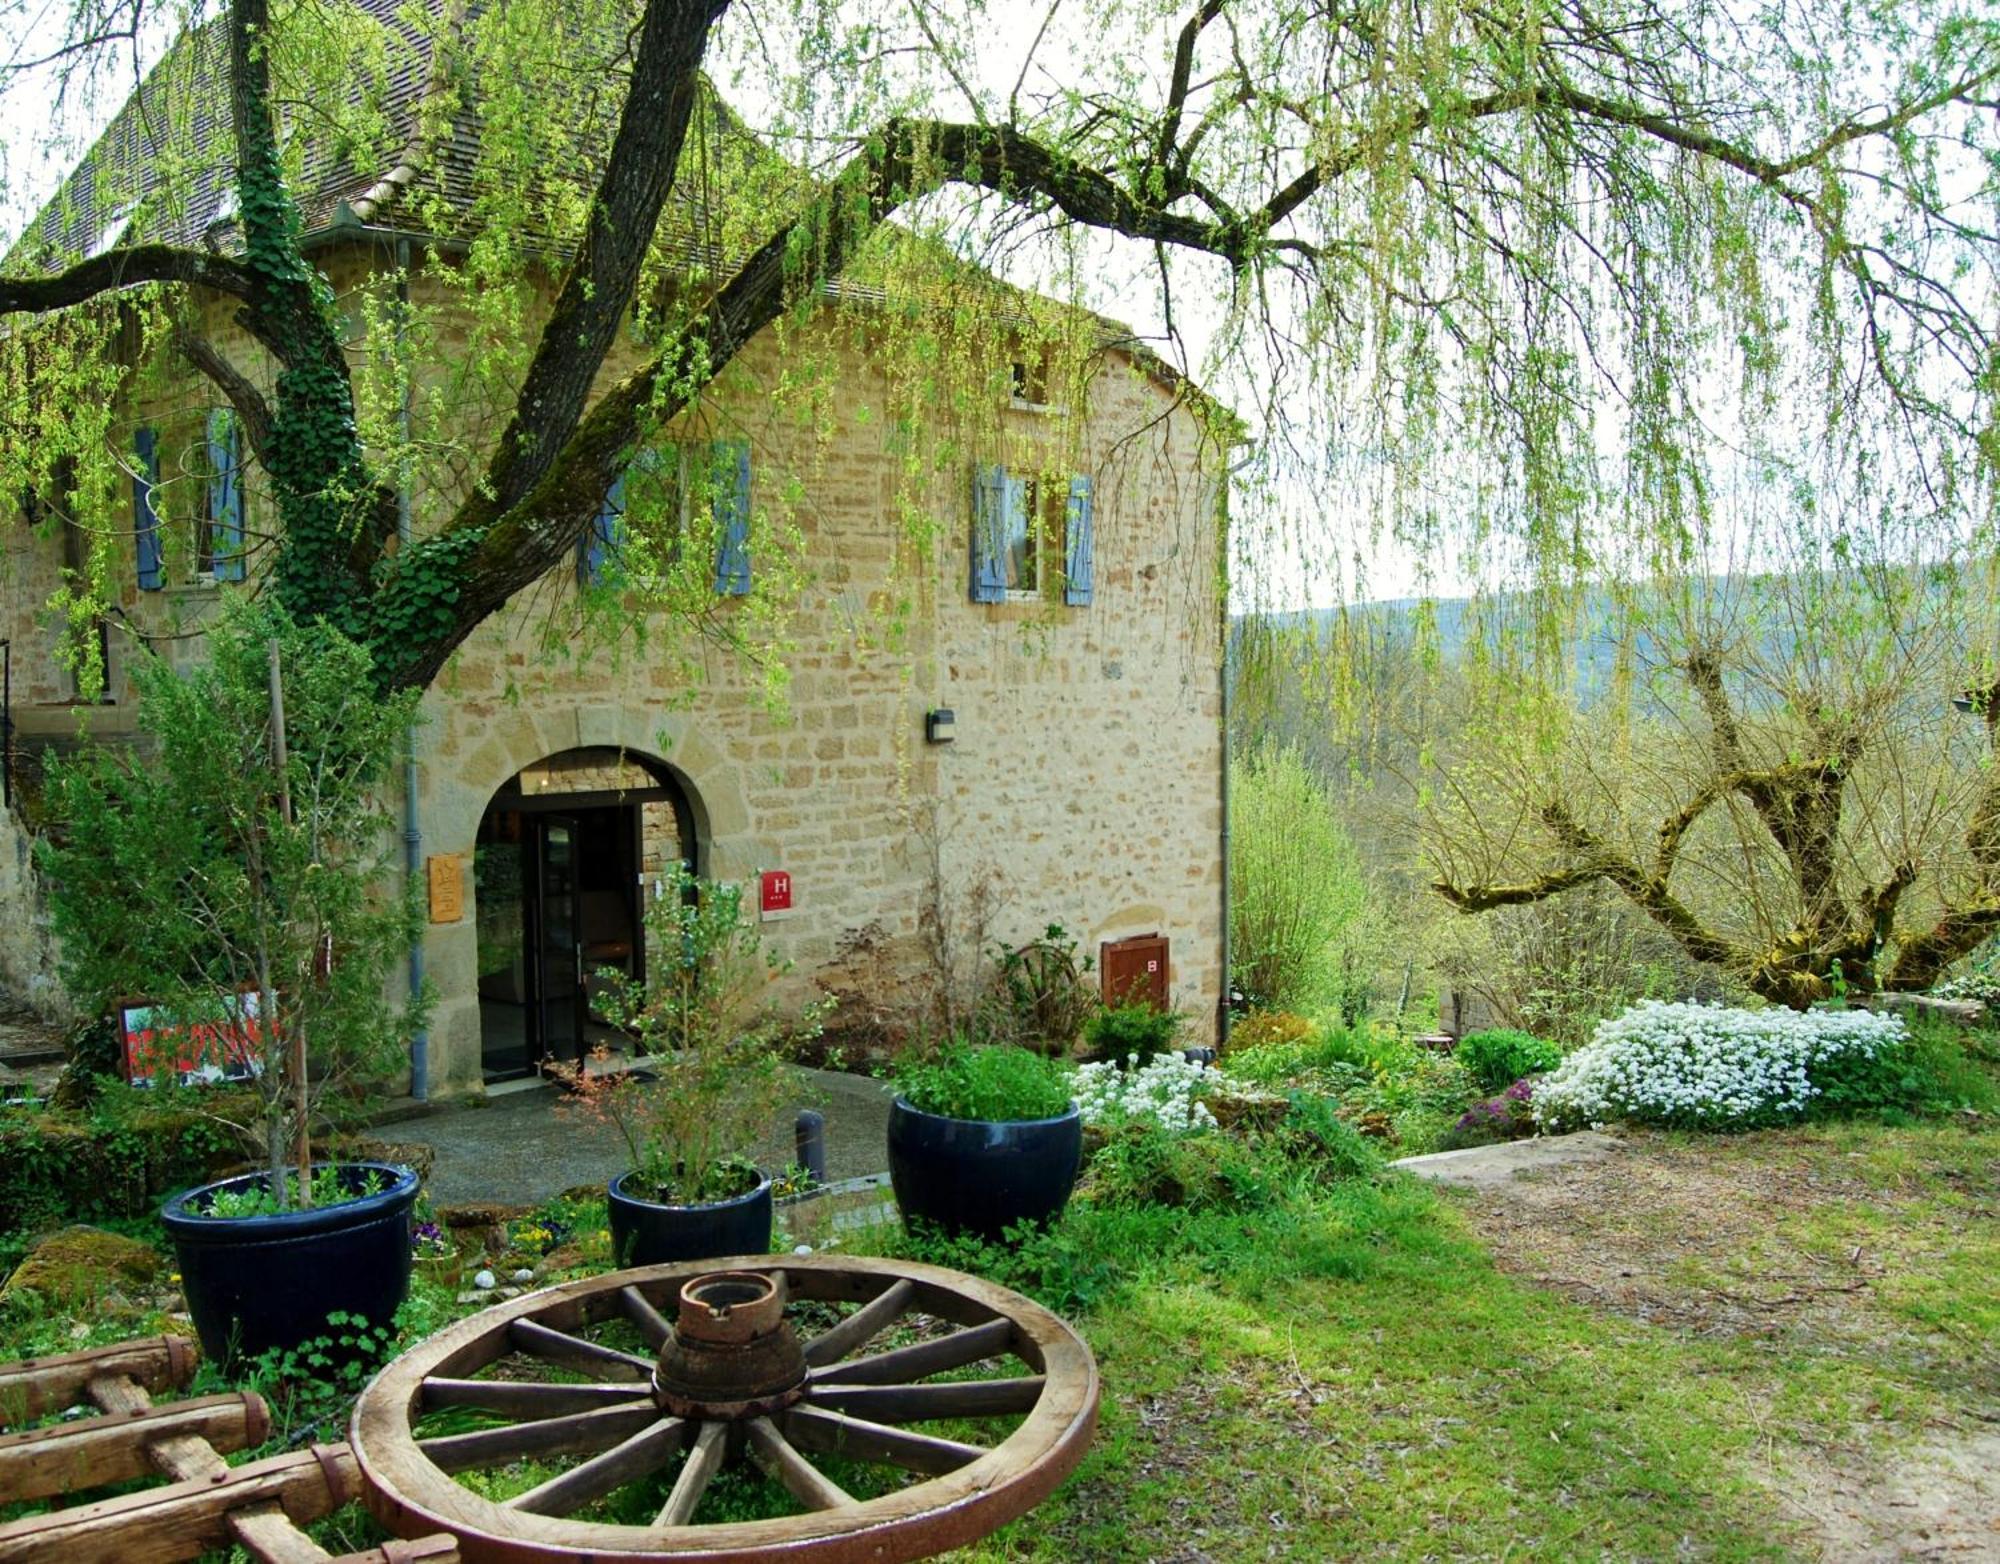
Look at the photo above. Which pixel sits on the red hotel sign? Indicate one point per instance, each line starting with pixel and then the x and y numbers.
pixel 775 892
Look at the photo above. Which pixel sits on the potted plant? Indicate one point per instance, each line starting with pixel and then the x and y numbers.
pixel 709 1084
pixel 983 1137
pixel 233 869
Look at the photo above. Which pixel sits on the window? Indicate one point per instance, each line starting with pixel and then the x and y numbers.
pixel 1029 532
pixel 145 520
pixel 220 550
pixel 660 486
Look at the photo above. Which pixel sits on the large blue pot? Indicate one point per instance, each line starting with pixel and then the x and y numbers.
pixel 254 1283
pixel 982 1175
pixel 646 1232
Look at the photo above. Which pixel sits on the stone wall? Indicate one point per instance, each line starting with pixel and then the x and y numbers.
pixel 1082 784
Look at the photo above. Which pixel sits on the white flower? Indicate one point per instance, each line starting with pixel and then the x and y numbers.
pixel 1166 1090
pixel 1705 1065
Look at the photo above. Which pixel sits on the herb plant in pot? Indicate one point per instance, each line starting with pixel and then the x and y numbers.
pixel 710 1085
pixel 236 874
pixel 982 1138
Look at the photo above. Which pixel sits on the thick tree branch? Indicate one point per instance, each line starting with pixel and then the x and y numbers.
pixel 252 411
pixel 125 268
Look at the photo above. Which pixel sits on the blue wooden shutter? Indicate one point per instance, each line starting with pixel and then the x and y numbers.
pixel 729 496
pixel 607 530
pixel 989 530
pixel 225 494
pixel 145 521
pixel 1078 563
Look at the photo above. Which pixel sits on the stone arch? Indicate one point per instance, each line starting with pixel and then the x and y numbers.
pixel 465 757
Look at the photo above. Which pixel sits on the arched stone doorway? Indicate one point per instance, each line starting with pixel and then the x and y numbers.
pixel 567 851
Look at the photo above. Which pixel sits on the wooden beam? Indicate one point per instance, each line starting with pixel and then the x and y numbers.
pixel 35 1387
pixel 66 1457
pixel 860 1327
pixel 174 1523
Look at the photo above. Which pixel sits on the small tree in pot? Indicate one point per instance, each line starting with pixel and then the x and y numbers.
pixel 234 870
pixel 712 1082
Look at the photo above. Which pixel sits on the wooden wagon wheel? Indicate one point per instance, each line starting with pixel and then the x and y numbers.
pixel 808 1371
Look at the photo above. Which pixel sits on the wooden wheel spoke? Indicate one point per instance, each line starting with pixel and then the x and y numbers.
pixel 835 1433
pixel 652 1324
pixel 640 1455
pixel 916 1403
pixel 527 1400
pixel 575 1433
pixel 860 1327
pixel 703 1462
pixel 574 1352
pixel 902 1365
pixel 782 1462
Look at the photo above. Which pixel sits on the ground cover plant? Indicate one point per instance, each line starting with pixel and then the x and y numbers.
pixel 1166 1090
pixel 1495 1059
pixel 1721 1067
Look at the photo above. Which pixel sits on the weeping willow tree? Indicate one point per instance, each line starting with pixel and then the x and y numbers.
pixel 1482 277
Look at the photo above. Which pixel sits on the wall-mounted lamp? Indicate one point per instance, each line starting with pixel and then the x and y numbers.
pixel 938 726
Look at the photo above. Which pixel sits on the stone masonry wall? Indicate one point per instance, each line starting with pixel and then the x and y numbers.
pixel 1082 784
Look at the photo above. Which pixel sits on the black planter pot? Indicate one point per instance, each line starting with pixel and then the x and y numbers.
pixel 644 1232
pixel 254 1283
pixel 981 1176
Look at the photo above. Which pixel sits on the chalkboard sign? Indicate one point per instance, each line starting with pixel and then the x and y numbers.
pixel 156 1042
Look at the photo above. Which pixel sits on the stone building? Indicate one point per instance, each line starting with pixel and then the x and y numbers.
pixel 975 739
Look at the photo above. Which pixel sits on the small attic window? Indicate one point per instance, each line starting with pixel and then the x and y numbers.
pixel 1030 372
pixel 113 231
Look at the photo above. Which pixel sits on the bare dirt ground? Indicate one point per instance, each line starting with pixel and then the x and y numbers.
pixel 1823 1251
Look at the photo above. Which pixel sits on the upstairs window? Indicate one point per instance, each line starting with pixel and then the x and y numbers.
pixel 1029 533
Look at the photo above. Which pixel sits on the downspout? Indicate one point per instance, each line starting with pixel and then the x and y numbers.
pixel 413 834
pixel 1224 1014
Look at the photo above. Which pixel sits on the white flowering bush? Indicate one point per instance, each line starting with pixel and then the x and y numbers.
pixel 1167 1090
pixel 1709 1066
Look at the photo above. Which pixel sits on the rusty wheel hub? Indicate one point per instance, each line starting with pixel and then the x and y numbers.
pixel 732 1354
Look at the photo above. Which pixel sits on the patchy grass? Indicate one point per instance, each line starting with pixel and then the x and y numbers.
pixel 1765 1346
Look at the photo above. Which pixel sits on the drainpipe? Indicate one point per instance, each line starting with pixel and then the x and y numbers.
pixel 413 835
pixel 1224 1015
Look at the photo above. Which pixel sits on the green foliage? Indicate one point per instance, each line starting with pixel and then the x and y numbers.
pixel 990 1081
pixel 718 1077
pixel 1041 991
pixel 1929 1072
pixel 1261 1028
pixel 1500 1056
pixel 1320 1050
pixel 117 1157
pixel 196 869
pixel 1135 1031
pixel 330 1186
pixel 1142 1163
pixel 1313 1132
pixel 1298 895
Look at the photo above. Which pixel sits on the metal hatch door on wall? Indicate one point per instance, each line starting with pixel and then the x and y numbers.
pixel 1134 971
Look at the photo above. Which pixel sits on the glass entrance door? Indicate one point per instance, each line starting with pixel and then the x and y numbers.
pixel 558 1003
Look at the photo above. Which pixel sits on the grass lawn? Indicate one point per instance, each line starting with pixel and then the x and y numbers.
pixel 1717 1348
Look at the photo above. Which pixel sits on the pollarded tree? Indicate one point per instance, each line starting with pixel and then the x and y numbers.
pixel 1435 237
pixel 1791 779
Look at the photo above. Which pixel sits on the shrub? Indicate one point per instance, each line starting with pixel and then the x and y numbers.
pixel 1320 1051
pixel 1134 1031
pixel 1509 1116
pixel 1297 888
pixel 991 1081
pixel 1262 1028
pixel 1494 1058
pixel 1314 1133
pixel 1166 1092
pixel 1712 1067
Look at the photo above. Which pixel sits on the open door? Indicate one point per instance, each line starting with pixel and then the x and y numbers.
pixel 557 942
